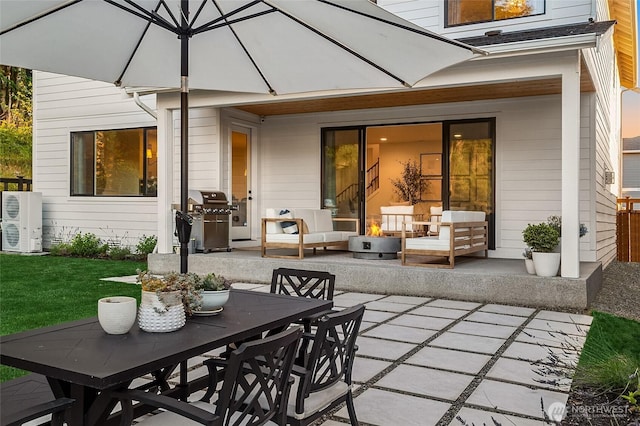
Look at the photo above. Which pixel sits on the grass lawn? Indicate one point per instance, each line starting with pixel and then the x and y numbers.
pixel 611 353
pixel 36 291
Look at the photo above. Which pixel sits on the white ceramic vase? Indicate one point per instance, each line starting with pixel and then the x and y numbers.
pixel 546 264
pixel 117 314
pixel 213 300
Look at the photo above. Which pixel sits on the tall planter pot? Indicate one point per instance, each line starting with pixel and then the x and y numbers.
pixel 546 264
pixel 161 313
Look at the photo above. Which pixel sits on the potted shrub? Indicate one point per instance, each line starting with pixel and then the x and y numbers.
pixel 543 239
pixel 215 293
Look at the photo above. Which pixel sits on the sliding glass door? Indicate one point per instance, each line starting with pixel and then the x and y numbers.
pixel 361 167
pixel 341 171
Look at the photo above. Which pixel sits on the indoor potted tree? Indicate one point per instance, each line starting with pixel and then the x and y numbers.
pixel 543 239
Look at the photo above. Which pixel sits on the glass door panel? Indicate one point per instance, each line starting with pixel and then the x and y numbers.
pixel 471 168
pixel 341 187
pixel 240 192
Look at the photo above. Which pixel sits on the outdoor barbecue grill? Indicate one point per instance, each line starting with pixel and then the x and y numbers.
pixel 210 211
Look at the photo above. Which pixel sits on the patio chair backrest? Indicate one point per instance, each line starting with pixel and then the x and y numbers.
pixel 256 382
pixel 332 353
pixel 303 283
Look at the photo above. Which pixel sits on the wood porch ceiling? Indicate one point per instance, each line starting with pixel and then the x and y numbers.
pixel 512 89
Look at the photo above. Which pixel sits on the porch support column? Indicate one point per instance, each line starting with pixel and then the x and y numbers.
pixel 165 179
pixel 570 266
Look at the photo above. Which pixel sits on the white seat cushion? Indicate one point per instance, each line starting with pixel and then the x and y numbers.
pixel 315 401
pixel 309 218
pixel 318 237
pixel 426 243
pixel 393 216
pixel 273 227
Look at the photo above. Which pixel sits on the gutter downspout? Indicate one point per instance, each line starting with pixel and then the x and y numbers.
pixel 143 106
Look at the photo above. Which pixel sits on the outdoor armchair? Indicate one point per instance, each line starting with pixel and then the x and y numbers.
pixel 254 391
pixel 324 381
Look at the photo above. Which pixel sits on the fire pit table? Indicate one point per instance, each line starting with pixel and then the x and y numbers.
pixel 370 247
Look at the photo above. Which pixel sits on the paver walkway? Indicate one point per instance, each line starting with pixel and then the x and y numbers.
pixel 425 361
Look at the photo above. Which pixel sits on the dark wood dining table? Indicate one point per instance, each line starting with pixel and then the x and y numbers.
pixel 82 362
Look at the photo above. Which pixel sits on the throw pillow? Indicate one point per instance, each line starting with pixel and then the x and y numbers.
pixel 288 227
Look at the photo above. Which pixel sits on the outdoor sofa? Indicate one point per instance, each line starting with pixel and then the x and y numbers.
pixel 300 229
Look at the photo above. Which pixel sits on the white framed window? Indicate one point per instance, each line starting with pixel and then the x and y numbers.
pixel 118 163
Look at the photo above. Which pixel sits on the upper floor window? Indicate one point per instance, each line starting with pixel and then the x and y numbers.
pixel 114 163
pixel 460 12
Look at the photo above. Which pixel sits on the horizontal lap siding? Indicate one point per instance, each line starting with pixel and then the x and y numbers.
pixel 606 127
pixel 530 162
pixel 290 163
pixel 63 105
pixel 204 155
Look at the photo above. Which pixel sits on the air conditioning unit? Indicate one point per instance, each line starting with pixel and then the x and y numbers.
pixel 22 221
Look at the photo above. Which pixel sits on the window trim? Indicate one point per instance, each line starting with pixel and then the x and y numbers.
pixel 145 130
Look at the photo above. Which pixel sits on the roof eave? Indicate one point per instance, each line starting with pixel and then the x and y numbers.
pixel 625 39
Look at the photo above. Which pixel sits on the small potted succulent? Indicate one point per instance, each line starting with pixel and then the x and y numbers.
pixel 543 239
pixel 214 291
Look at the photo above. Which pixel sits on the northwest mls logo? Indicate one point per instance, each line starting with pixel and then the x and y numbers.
pixel 557 411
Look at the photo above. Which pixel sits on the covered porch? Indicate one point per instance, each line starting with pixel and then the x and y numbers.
pixel 503 281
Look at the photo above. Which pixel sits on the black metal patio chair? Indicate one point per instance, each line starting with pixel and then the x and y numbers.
pixel 254 390
pixel 30 397
pixel 324 381
pixel 303 283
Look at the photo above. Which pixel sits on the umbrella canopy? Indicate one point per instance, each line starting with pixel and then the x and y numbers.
pixel 261 46
pixel 269 46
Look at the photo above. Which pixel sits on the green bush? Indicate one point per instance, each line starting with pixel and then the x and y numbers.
pixel 60 249
pixel 87 245
pixel 541 237
pixel 119 253
pixel 146 244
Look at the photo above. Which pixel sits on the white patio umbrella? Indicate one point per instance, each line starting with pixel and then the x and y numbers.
pixel 261 46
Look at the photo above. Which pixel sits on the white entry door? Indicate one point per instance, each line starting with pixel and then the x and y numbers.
pixel 241 183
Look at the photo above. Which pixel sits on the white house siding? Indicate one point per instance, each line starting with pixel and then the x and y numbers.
pixel 606 127
pixel 528 152
pixel 204 150
pixel 430 14
pixel 63 105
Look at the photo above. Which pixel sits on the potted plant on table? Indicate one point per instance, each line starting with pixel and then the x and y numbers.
pixel 167 300
pixel 543 239
pixel 214 292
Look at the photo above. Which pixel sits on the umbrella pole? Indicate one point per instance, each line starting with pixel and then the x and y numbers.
pixel 184 127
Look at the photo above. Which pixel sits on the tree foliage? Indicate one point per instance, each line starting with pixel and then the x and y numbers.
pixel 15 121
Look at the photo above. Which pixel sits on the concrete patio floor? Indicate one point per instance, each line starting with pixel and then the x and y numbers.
pixel 424 361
